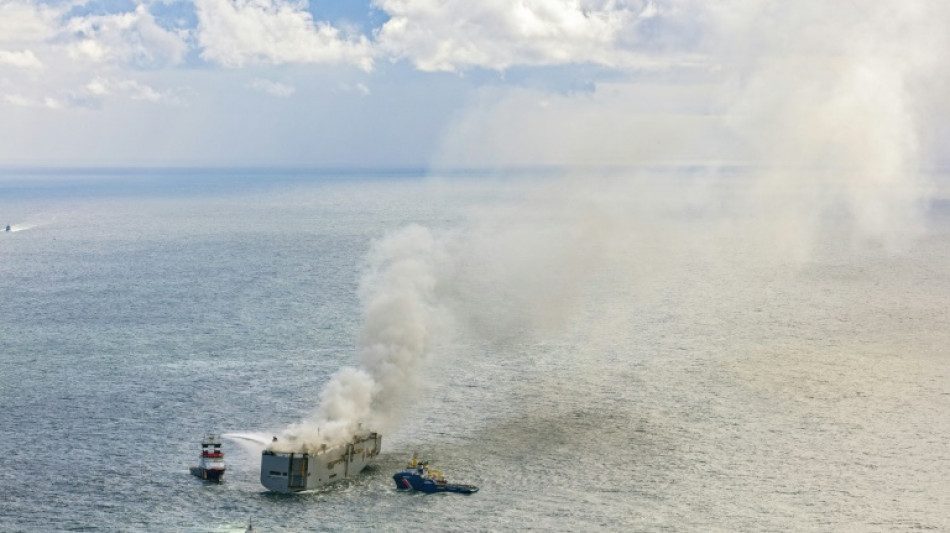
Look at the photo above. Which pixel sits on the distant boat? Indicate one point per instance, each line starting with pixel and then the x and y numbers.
pixel 211 463
pixel 419 477
pixel 8 227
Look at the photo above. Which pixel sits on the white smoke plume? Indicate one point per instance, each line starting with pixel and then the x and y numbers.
pixel 400 322
pixel 834 104
pixel 829 109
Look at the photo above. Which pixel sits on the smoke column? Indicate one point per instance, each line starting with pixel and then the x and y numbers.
pixel 400 319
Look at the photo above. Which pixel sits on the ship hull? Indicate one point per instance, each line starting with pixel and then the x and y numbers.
pixel 414 482
pixel 208 474
pixel 296 472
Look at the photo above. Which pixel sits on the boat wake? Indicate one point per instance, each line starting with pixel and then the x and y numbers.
pixel 13 228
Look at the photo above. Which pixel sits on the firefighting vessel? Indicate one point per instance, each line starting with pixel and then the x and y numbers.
pixel 289 472
pixel 211 463
pixel 419 477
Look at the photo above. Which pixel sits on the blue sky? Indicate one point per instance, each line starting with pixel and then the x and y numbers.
pixel 459 83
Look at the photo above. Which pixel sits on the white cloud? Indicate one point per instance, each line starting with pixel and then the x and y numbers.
pixel 25 59
pixel 451 35
pixel 24 30
pixel 360 88
pixel 272 88
pixel 18 100
pixel 102 87
pixel 796 81
pixel 131 37
pixel 52 103
pixel 25 22
pixel 23 101
pixel 237 32
pixel 97 87
pixel 48 56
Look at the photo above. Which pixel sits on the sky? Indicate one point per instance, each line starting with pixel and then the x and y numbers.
pixel 460 83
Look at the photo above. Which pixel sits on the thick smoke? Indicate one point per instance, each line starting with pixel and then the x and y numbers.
pixel 401 319
pixel 830 112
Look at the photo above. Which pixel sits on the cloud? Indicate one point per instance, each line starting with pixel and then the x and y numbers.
pixel 23 101
pixel 24 30
pixel 131 37
pixel 272 88
pixel 101 87
pixel 48 54
pixel 25 59
pixel 92 94
pixel 235 33
pixel 26 22
pixel 453 35
pixel 360 88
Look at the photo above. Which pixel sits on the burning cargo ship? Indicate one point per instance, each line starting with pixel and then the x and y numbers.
pixel 289 472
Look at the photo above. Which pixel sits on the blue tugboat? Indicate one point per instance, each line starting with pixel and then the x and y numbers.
pixel 418 476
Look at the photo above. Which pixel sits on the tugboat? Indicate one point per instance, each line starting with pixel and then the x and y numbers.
pixel 211 466
pixel 418 476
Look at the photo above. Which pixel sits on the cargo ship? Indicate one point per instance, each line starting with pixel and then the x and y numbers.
pixel 211 462
pixel 289 472
pixel 419 477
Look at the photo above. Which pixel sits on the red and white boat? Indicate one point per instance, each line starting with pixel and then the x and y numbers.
pixel 211 465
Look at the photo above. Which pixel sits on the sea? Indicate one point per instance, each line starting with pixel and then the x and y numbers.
pixel 613 363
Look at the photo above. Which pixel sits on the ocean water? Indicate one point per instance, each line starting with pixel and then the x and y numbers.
pixel 621 388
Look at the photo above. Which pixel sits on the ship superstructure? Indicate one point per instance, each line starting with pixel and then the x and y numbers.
pixel 299 471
